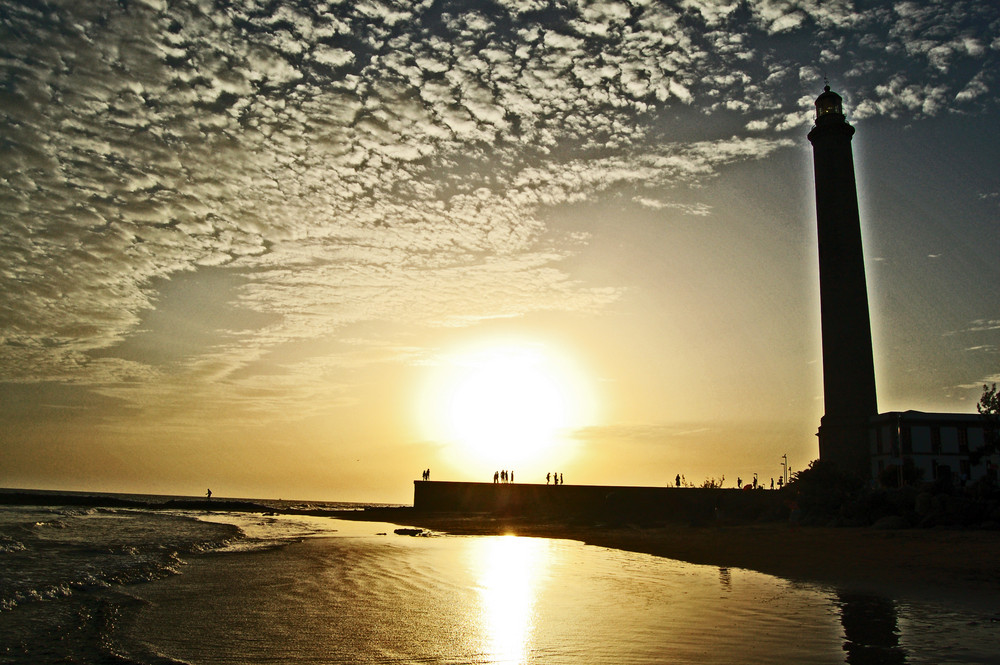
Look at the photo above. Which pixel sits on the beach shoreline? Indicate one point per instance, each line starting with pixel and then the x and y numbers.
pixel 940 563
pixel 955 564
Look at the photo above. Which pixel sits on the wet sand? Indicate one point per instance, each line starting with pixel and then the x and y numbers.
pixel 940 563
pixel 961 565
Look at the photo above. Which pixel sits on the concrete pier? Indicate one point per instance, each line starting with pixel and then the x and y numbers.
pixel 613 503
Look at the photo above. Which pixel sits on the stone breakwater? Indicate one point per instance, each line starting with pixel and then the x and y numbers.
pixel 604 502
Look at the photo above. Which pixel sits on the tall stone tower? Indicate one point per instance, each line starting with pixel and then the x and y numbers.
pixel 848 368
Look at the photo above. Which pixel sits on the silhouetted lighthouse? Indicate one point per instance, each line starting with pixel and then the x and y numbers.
pixel 848 368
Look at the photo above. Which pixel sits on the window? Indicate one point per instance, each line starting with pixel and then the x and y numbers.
pixel 936 440
pixel 963 441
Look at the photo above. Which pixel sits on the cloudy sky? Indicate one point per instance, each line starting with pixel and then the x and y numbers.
pixel 247 245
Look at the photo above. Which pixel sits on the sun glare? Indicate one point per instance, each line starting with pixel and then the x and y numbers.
pixel 510 570
pixel 506 405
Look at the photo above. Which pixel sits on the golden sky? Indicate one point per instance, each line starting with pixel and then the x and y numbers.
pixel 306 250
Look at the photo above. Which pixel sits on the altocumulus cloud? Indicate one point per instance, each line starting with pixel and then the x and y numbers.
pixel 393 160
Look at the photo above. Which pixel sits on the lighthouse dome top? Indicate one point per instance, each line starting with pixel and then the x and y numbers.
pixel 829 104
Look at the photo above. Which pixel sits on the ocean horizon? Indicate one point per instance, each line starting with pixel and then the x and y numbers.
pixel 153 498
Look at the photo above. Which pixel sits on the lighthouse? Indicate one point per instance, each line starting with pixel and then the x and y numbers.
pixel 848 366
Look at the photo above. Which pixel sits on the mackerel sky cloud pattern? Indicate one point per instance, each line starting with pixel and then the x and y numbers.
pixel 327 147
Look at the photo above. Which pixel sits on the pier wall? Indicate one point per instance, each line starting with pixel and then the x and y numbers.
pixel 686 504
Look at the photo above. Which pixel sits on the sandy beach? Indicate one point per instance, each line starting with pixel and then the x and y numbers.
pixel 911 563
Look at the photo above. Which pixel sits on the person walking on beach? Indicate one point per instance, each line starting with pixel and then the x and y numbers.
pixel 677 480
pixel 208 493
pixel 496 476
pixel 548 477
pixel 561 481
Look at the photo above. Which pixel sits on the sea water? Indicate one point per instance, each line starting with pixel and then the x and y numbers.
pixel 147 587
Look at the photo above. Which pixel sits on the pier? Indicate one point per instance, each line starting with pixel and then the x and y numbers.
pixel 613 503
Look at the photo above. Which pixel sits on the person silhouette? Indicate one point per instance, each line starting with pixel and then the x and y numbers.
pixel 561 481
pixel 677 480
pixel 496 476
pixel 548 476
pixel 208 493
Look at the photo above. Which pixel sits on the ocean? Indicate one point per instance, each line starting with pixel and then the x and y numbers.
pixel 136 586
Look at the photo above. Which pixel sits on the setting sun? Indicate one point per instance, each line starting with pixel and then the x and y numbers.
pixel 506 404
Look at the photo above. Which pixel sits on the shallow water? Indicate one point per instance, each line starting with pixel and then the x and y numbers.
pixel 313 590
pixel 361 598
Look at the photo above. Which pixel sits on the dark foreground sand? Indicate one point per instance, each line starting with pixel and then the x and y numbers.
pixel 961 565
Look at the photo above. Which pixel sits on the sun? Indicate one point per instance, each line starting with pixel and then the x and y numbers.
pixel 508 404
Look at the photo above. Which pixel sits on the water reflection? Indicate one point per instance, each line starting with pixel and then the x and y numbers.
pixel 509 569
pixel 871 630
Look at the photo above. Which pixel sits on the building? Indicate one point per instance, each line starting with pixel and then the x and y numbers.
pixel 911 446
pixel 852 434
pixel 848 366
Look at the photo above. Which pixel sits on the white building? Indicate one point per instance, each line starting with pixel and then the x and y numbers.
pixel 929 446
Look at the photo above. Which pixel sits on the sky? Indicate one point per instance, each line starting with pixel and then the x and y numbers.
pixel 309 249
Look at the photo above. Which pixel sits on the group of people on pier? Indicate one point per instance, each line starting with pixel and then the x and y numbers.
pixel 758 485
pixel 504 476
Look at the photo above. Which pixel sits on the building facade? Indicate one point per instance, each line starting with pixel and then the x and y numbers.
pixel 912 446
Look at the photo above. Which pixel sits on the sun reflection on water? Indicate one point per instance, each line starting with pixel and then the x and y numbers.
pixel 509 571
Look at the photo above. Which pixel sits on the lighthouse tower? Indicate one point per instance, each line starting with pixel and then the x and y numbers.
pixel 848 368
